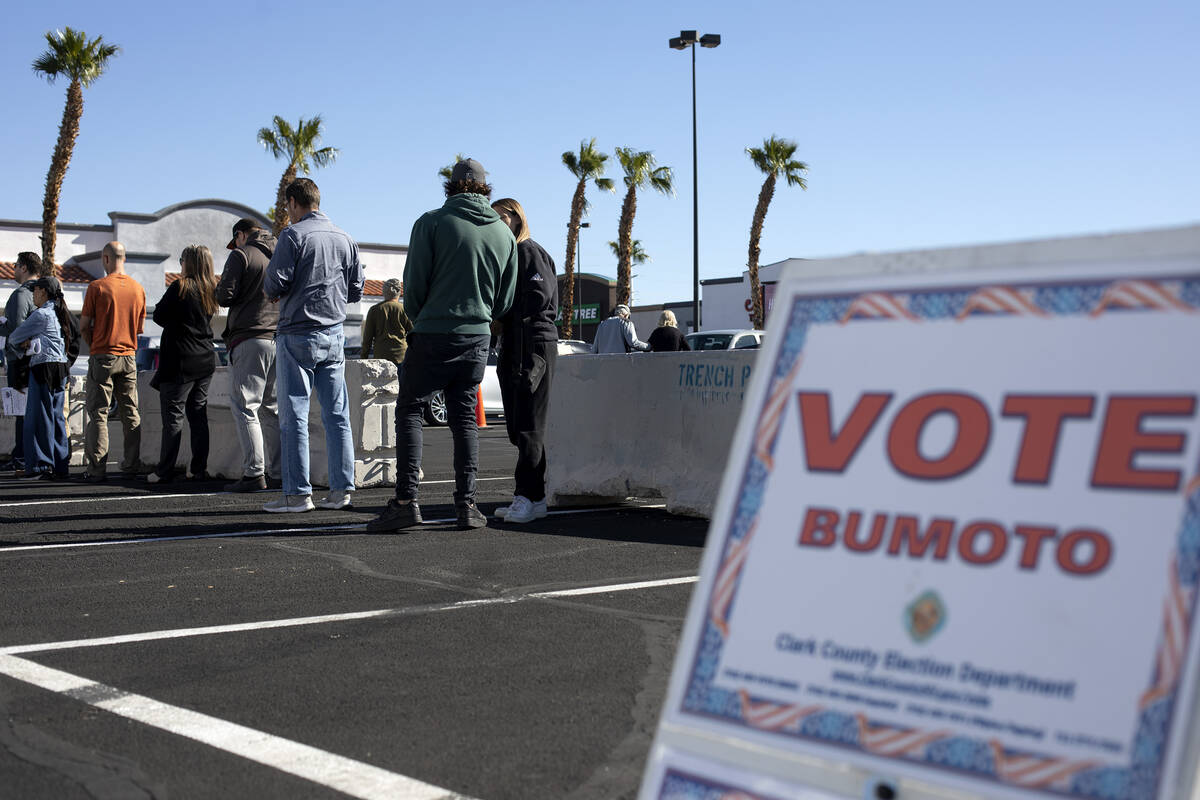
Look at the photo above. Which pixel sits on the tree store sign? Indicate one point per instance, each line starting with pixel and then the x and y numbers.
pixel 588 314
pixel 958 542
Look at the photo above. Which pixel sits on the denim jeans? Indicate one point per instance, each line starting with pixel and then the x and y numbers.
pixel 252 400
pixel 302 361
pixel 453 363
pixel 45 430
pixel 178 399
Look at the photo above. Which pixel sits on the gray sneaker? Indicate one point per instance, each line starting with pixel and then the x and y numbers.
pixel 290 504
pixel 337 499
pixel 469 516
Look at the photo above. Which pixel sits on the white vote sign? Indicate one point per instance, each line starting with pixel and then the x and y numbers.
pixel 958 539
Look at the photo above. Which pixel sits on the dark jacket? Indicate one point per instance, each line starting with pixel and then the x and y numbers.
pixel 186 351
pixel 535 303
pixel 385 330
pixel 251 314
pixel 461 268
pixel 667 339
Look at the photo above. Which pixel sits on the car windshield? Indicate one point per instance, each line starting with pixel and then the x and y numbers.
pixel 709 341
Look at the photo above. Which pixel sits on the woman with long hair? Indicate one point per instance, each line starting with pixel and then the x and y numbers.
pixel 186 362
pixel 44 335
pixel 528 352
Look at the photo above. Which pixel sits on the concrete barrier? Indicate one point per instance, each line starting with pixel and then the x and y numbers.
pixel 644 424
pixel 372 388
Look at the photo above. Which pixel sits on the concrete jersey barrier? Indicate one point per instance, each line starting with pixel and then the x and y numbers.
pixel 644 424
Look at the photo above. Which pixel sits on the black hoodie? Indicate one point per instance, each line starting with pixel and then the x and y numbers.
pixel 535 303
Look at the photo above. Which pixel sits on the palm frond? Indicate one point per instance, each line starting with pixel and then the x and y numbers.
pixel 72 54
pixel 606 184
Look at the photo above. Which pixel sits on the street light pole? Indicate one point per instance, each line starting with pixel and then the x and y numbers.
pixel 578 267
pixel 689 39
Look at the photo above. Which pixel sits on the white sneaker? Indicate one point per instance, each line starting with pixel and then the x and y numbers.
pixel 337 499
pixel 290 504
pixel 522 509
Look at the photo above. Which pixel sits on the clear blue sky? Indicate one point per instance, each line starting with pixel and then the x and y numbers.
pixel 924 123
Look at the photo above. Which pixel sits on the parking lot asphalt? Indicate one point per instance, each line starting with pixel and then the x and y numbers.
pixel 176 641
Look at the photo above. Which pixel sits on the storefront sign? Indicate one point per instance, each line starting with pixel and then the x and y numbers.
pixel 958 539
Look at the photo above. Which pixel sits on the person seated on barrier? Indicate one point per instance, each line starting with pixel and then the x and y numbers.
pixel 186 362
pixel 666 338
pixel 617 334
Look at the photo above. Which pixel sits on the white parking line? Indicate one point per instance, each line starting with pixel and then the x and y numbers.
pixel 271 532
pixel 351 616
pixel 60 501
pixel 325 769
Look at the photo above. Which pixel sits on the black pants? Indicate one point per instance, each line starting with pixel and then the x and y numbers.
pixel 453 363
pixel 178 399
pixel 525 414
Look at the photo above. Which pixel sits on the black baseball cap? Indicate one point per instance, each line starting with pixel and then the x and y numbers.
pixel 241 226
pixel 468 170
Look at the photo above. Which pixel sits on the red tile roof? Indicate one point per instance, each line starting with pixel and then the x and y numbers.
pixel 71 274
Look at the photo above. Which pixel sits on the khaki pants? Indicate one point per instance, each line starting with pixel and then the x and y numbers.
pixel 111 377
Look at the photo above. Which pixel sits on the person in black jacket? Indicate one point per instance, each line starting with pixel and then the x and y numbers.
pixel 186 361
pixel 666 338
pixel 528 352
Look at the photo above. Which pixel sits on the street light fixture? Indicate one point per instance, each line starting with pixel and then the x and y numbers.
pixel 683 41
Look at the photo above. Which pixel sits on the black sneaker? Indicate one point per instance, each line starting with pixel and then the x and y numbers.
pixel 247 484
pixel 469 516
pixel 97 477
pixel 395 517
pixel 39 475
pixel 274 483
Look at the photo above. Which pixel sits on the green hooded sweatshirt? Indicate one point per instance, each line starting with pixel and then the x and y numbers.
pixel 461 270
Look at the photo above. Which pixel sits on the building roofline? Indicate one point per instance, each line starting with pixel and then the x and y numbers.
pixel 74 226
pixel 719 281
pixel 246 210
pixel 394 248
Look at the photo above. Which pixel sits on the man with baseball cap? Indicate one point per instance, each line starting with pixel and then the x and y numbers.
pixel 250 341
pixel 460 275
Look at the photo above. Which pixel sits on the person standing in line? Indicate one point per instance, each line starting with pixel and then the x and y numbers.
pixel 186 362
pixel 386 328
pixel 528 354
pixel 114 311
pixel 250 341
pixel 666 338
pixel 27 269
pixel 460 275
pixel 313 273
pixel 44 334
pixel 617 335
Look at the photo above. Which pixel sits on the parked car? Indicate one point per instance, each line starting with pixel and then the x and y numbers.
pixel 725 340
pixel 148 348
pixel 570 347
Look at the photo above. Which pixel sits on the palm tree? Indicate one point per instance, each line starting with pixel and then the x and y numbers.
pixel 775 158
pixel 298 145
pixel 640 173
pixel 72 54
pixel 588 165
pixel 445 172
pixel 637 255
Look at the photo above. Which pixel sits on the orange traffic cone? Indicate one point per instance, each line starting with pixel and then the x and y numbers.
pixel 480 416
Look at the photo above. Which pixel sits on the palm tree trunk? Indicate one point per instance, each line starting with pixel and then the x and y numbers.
pixel 568 303
pixel 281 214
pixel 624 236
pixel 760 214
pixel 68 131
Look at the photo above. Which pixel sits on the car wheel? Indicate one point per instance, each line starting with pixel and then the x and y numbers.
pixel 435 409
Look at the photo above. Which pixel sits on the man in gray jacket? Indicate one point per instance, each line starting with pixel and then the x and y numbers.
pixel 313 273
pixel 617 335
pixel 26 271
pixel 250 341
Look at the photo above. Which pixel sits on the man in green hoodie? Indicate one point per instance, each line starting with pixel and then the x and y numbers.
pixel 460 274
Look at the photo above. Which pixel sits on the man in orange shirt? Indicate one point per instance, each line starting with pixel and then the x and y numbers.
pixel 114 309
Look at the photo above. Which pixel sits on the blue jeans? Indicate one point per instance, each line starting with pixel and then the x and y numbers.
pixel 303 360
pixel 453 363
pixel 45 433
